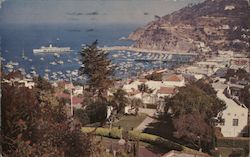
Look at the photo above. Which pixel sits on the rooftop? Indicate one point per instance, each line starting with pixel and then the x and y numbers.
pixel 166 90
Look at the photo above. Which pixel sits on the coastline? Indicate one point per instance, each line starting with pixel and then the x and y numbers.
pixel 133 49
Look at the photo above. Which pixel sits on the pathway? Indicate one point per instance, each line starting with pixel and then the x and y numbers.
pixel 144 124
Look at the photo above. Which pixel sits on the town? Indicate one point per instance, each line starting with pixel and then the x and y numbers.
pixel 125 78
pixel 139 105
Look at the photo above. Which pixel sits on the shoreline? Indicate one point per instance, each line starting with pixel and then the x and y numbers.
pixel 133 49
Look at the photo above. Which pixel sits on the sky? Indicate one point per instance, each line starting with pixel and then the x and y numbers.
pixel 87 11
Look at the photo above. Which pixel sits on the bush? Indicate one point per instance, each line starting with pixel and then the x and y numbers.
pixel 134 135
pixel 233 142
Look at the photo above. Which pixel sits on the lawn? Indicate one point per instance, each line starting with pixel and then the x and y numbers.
pixel 227 152
pixel 129 122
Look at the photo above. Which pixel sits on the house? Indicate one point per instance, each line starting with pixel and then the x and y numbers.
pixel 173 80
pixel 78 90
pixel 234 117
pixel 76 101
pixel 162 88
pixel 240 62
pixel 165 92
pixel 29 83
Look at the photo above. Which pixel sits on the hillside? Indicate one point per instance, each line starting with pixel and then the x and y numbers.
pixel 205 27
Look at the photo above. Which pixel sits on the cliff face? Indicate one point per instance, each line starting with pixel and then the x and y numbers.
pixel 205 27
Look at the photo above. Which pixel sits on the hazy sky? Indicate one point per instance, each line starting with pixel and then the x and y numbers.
pixel 87 11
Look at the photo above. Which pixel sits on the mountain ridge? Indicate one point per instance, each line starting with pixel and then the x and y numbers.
pixel 204 27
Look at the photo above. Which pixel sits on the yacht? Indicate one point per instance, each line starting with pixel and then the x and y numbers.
pixel 60 62
pixel 53 63
pixel 47 70
pixel 51 49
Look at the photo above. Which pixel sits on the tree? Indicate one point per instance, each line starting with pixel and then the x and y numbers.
pixel 119 100
pixel 193 105
pixel 144 88
pixel 154 76
pixel 97 68
pixel 96 111
pixel 245 95
pixel 34 129
pixel 43 85
pixel 135 104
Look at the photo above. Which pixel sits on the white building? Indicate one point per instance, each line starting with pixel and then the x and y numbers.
pixel 163 88
pixel 78 90
pixel 235 117
pixel 29 83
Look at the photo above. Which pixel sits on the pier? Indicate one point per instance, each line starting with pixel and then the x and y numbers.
pixel 133 49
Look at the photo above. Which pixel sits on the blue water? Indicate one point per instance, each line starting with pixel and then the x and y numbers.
pixel 31 24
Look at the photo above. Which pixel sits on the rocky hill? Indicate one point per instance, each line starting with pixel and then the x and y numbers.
pixel 205 27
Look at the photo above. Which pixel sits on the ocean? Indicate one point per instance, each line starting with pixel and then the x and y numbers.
pixel 30 24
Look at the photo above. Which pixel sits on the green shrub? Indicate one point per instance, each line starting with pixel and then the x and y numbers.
pixel 233 142
pixel 134 135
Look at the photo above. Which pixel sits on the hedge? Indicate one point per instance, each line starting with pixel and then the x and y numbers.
pixel 233 142
pixel 144 137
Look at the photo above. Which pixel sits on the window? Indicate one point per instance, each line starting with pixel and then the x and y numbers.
pixel 223 122
pixel 235 122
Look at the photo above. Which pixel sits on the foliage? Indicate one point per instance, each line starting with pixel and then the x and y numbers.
pixel 97 68
pixel 233 142
pixel 82 116
pixel 96 111
pixel 36 128
pixel 144 137
pixel 197 104
pixel 43 84
pixel 144 88
pixel 205 86
pixel 135 104
pixel 245 96
pixel 240 73
pixel 119 100
pixel 154 76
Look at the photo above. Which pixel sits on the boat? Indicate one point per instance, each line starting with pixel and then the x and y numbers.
pixel 52 63
pixel 60 62
pixel 56 55
pixel 9 66
pixel 52 49
pixel 47 70
pixel 42 59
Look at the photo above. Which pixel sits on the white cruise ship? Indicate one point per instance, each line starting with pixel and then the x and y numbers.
pixel 51 49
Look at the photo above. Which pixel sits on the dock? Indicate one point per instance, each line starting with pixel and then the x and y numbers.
pixel 133 49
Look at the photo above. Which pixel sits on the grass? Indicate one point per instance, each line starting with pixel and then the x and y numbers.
pixel 225 152
pixel 129 122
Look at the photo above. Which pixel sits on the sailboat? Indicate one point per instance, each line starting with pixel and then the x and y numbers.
pixel 23 55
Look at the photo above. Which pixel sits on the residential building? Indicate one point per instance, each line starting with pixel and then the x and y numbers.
pixel 235 117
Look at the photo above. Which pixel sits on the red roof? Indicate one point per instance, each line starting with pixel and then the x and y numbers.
pixel 143 80
pixel 166 90
pixel 75 100
pixel 62 95
pixel 175 78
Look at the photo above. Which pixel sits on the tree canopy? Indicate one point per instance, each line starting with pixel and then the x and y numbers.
pixel 36 128
pixel 97 68
pixel 194 109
